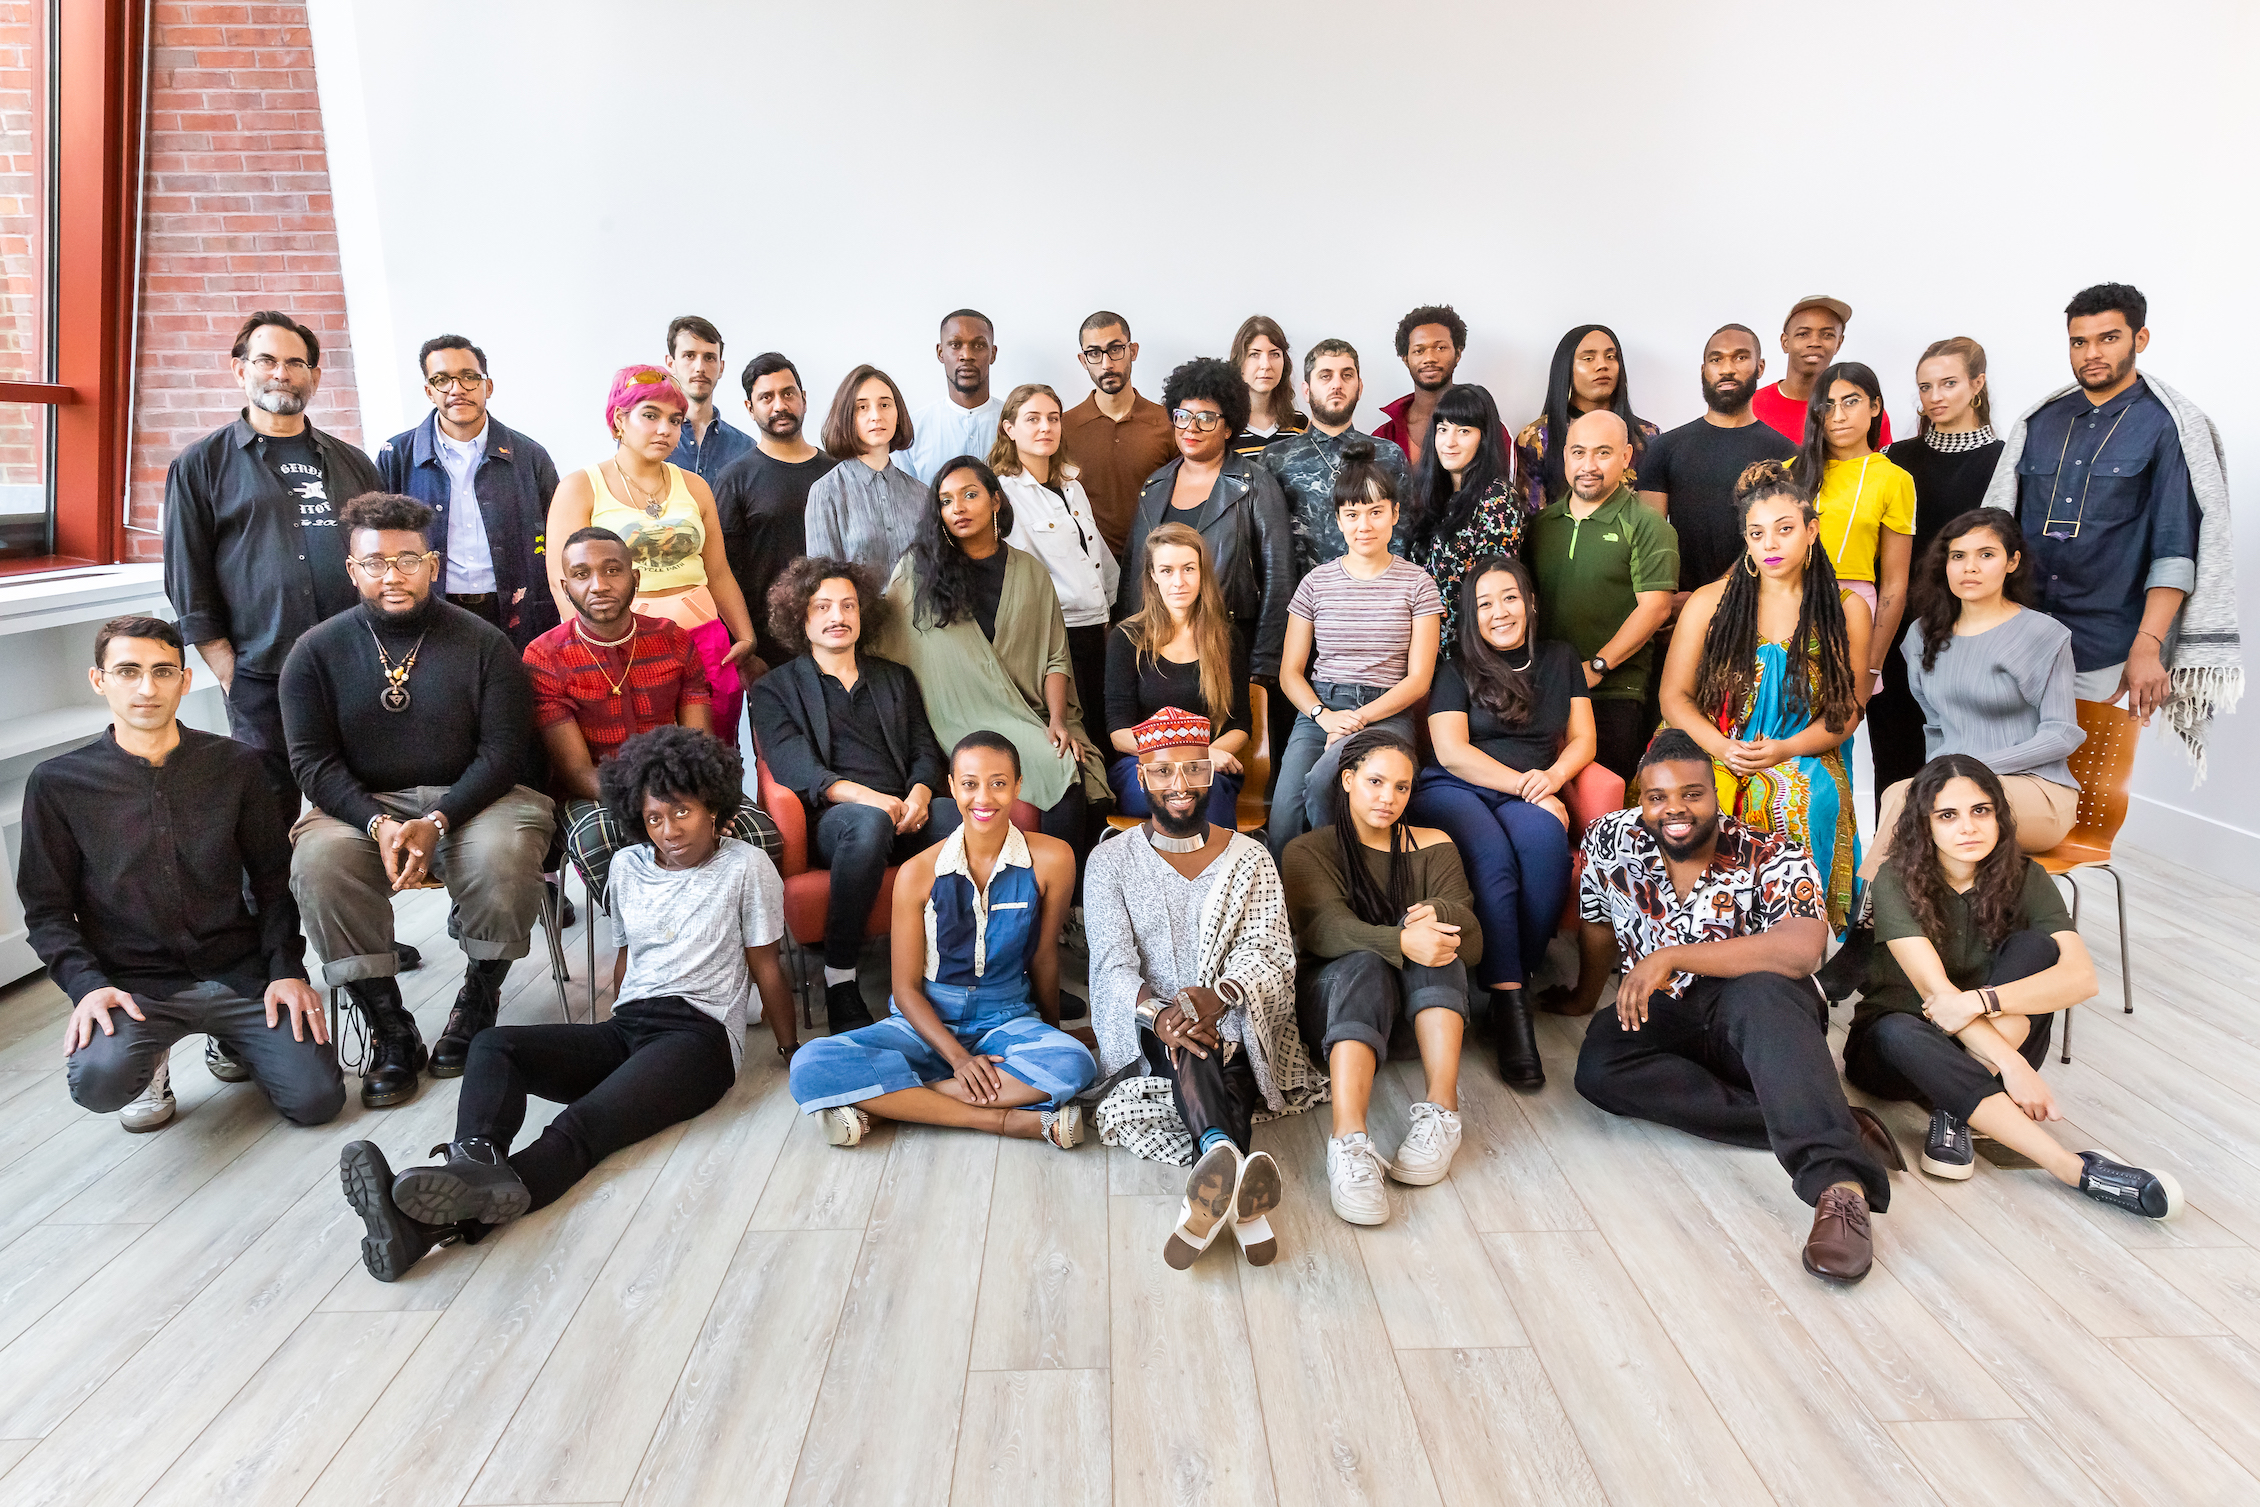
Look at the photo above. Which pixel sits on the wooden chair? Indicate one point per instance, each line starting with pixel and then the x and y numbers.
pixel 2101 765
pixel 1253 810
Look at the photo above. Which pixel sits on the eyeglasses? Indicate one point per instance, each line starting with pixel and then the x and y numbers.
pixel 1195 419
pixel 294 367
pixel 1093 355
pixel 407 562
pixel 449 381
pixel 1194 774
pixel 135 674
pixel 1851 402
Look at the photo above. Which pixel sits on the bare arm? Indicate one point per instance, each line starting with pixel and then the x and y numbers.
pixel 1649 615
pixel 698 714
pixel 776 995
pixel 1294 658
pixel 728 600
pixel 907 955
pixel 220 655
pixel 1658 503
pixel 2069 981
pixel 1055 878
pixel 2146 682
pixel 1791 948
pixel 1893 552
pixel 569 512
pixel 570 766
pixel 1685 658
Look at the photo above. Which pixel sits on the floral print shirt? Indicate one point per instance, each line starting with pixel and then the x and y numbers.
pixel 1495 529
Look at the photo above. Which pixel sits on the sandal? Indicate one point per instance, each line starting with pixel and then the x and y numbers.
pixel 844 1124
pixel 1063 1127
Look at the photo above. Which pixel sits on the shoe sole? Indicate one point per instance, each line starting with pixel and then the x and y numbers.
pixel 391 1246
pixel 1952 1171
pixel 1417 1178
pixel 1256 1197
pixel 1208 1207
pixel 1840 1277
pixel 133 1129
pixel 436 1195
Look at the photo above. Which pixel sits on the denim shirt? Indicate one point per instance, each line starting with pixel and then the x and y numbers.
pixel 513 485
pixel 1306 465
pixel 2104 497
pixel 709 460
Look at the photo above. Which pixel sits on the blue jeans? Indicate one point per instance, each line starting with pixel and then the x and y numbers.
pixel 997 1020
pixel 1304 797
pixel 1517 861
pixel 1130 795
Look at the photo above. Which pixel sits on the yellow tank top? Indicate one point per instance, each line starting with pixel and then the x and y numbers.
pixel 667 548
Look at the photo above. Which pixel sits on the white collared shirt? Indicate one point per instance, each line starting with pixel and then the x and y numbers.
pixel 942 431
pixel 470 560
pixel 1061 533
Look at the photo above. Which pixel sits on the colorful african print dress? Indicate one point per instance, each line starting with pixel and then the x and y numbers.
pixel 1807 799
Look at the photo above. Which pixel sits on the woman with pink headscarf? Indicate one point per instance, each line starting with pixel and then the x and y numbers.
pixel 666 516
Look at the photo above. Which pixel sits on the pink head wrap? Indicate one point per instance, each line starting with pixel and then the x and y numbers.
pixel 640 384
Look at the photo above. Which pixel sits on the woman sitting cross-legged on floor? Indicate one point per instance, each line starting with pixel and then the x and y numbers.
pixel 1385 925
pixel 702 914
pixel 1977 955
pixel 973 1038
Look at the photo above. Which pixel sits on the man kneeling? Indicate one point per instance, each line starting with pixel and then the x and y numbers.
pixel 702 913
pixel 1718 1028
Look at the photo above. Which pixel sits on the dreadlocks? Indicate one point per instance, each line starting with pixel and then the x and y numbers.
pixel 1730 644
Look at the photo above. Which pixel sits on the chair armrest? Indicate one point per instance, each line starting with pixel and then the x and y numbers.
pixel 791 817
pixel 1594 793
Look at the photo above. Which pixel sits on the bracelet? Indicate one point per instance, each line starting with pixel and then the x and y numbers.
pixel 438 819
pixel 2146 633
pixel 375 822
pixel 1992 998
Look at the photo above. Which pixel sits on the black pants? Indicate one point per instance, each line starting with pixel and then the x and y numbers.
pixel 655 1063
pixel 486 605
pixel 1741 1060
pixel 255 718
pixel 859 844
pixel 1359 997
pixel 1211 1093
pixel 300 1078
pixel 1892 727
pixel 1086 650
pixel 1622 729
pixel 1903 1056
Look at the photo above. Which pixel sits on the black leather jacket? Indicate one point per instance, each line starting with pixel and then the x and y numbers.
pixel 1250 542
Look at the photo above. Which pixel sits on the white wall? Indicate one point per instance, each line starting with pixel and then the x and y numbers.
pixel 557 179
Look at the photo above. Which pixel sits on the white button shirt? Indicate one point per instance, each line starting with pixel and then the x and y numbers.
pixel 470 561
pixel 942 431
pixel 1062 534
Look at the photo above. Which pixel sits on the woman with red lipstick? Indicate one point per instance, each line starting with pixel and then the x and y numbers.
pixel 1763 673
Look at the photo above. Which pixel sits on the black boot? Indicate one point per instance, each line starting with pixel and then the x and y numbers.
pixel 408 958
pixel 475 1006
pixel 1846 974
pixel 394 1242
pixel 844 1009
pixel 474 1183
pixel 396 1047
pixel 1515 1039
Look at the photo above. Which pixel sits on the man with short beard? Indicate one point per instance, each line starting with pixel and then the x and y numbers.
pixel 709 445
pixel 1688 473
pixel 1430 341
pixel 762 500
pixel 963 421
pixel 254 555
pixel 1116 437
pixel 1306 463
pixel 1718 1029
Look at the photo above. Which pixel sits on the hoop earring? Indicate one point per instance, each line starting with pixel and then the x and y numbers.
pixel 1749 564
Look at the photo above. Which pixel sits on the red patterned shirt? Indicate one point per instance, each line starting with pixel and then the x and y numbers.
pixel 574 681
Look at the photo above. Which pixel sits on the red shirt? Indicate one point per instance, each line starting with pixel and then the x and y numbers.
pixel 657 674
pixel 1786 416
pixel 1397 432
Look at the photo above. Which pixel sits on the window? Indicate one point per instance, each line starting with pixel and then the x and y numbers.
pixel 27 269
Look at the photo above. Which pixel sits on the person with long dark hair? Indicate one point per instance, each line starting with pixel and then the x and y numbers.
pixel 1763 675
pixel 1865 503
pixel 1587 375
pixel 1464 505
pixel 1512 724
pixel 978 623
pixel 1260 355
pixel 1978 956
pixel 1386 927
pixel 1179 650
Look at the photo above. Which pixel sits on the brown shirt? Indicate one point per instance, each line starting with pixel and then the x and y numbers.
pixel 1318 901
pixel 1115 459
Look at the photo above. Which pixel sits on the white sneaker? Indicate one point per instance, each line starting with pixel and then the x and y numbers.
pixel 844 1124
pixel 1353 1179
pixel 1426 1152
pixel 155 1107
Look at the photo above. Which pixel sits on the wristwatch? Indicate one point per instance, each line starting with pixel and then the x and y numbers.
pixel 1600 665
pixel 1992 998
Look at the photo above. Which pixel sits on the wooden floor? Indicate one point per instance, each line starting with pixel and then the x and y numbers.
pixel 1590 1310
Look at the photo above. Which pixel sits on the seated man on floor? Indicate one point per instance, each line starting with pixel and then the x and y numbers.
pixel 846 731
pixel 1193 984
pixel 136 852
pixel 409 719
pixel 974 1037
pixel 703 913
pixel 604 676
pixel 1719 1029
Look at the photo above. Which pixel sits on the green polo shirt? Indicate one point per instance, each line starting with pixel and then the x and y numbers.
pixel 1591 572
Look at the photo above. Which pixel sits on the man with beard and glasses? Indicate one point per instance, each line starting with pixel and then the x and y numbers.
pixel 709 445
pixel 963 421
pixel 254 555
pixel 1193 996
pixel 1717 1029
pixel 1116 437
pixel 1430 341
pixel 1307 463
pixel 409 719
pixel 1810 337
pixel 1688 474
pixel 762 500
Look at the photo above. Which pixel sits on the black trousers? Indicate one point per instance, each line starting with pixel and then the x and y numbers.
pixel 655 1063
pixel 1904 1056
pixel 858 844
pixel 1741 1060
pixel 1893 729
pixel 255 718
pixel 1086 650
pixel 1211 1093
pixel 1622 728
pixel 1360 997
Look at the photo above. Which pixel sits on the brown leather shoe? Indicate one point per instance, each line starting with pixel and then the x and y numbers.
pixel 1839 1248
pixel 1879 1139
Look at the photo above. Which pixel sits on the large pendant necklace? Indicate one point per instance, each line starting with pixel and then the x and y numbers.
pixel 653 506
pixel 394 697
pixel 627 665
pixel 1164 843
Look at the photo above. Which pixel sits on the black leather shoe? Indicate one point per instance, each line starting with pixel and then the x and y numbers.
pixel 396 1047
pixel 409 959
pixel 473 1183
pixel 476 1005
pixel 1515 1039
pixel 844 1009
pixel 394 1241
pixel 566 914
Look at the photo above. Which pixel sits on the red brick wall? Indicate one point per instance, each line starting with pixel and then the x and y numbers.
pixel 236 217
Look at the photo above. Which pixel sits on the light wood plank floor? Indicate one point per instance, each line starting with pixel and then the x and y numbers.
pixel 1589 1311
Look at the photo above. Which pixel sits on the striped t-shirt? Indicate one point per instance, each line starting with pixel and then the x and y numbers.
pixel 1361 631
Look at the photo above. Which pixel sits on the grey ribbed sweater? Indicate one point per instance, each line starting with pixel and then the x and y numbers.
pixel 2003 696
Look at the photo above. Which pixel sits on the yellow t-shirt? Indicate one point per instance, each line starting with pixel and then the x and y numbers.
pixel 1858 500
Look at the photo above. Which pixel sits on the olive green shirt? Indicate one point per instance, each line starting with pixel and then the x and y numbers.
pixel 1591 572
pixel 1963 950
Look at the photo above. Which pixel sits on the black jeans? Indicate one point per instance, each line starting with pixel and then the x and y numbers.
pixel 859 844
pixel 255 718
pixel 1903 1056
pixel 1621 728
pixel 300 1078
pixel 1741 1060
pixel 1211 1093
pixel 655 1063
pixel 1360 995
pixel 1893 729
pixel 1086 650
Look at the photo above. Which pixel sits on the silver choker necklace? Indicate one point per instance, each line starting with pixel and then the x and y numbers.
pixel 1164 843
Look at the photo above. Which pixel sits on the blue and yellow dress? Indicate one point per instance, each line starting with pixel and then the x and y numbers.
pixel 1807 799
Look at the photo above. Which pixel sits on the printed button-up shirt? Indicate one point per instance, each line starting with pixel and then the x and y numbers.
pixel 574 682
pixel 1306 465
pixel 1755 882
pixel 709 458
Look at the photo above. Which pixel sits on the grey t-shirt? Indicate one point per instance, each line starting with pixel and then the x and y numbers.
pixel 688 929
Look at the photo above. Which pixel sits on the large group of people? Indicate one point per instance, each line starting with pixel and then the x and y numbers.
pixel 1010 660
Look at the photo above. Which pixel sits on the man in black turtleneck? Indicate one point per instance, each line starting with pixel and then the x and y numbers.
pixel 409 720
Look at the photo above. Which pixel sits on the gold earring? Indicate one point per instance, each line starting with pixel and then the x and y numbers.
pixel 1749 564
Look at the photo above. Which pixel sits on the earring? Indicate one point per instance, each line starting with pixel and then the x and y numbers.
pixel 1749 564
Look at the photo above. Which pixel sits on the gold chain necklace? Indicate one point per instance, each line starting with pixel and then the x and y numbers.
pixel 654 506
pixel 627 660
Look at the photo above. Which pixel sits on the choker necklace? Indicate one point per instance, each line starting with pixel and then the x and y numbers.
pixel 394 697
pixel 605 643
pixel 1529 652
pixel 1164 843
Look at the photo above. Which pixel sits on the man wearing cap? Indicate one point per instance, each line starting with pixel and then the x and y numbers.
pixel 1193 995
pixel 1810 338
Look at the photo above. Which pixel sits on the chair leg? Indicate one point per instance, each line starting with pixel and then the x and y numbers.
pixel 595 908
pixel 551 910
pixel 2126 965
pixel 2066 1013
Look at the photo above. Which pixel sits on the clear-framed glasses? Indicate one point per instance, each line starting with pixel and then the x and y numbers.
pixel 1851 402
pixel 407 562
pixel 1113 350
pixel 158 675
pixel 449 381
pixel 1193 774
pixel 1195 418
pixel 265 365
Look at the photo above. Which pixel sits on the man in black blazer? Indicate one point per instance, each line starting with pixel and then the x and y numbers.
pixel 847 733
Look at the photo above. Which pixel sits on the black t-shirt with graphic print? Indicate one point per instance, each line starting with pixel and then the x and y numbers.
pixel 297 464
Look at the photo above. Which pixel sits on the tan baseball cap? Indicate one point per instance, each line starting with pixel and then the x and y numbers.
pixel 1836 306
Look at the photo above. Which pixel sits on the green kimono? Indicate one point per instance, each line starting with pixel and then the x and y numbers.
pixel 972 684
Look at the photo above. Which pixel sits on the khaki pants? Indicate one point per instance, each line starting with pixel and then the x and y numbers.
pixel 491 867
pixel 2044 811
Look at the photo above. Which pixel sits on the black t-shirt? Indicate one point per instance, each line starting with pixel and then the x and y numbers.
pixel 988 590
pixel 1697 465
pixel 859 745
pixel 297 463
pixel 1556 679
pixel 1946 485
pixel 1136 691
pixel 762 506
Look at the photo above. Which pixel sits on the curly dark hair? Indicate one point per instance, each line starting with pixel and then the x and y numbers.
pixel 941 576
pixel 1218 381
pixel 386 512
pixel 1431 313
pixel 796 584
pixel 1997 898
pixel 1936 606
pixel 671 761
